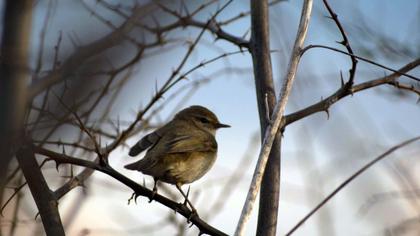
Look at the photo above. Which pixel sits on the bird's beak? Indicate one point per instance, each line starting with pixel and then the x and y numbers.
pixel 220 125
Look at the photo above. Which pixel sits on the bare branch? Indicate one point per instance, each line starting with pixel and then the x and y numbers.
pixel 347 181
pixel 360 58
pixel 325 104
pixel 211 25
pixel 87 51
pixel 138 189
pixel 266 99
pixel 345 42
pixel 46 202
pixel 276 118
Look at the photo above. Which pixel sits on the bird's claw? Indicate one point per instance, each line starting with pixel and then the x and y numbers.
pixel 133 196
pixel 193 214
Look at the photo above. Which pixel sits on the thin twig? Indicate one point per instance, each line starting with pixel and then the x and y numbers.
pixel 360 58
pixel 348 180
pixel 326 103
pixel 345 42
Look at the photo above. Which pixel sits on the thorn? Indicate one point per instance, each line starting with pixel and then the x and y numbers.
pixel 36 216
pixel 118 124
pixel 184 6
pixel 328 113
pixel 71 171
pixel 246 33
pixel 154 191
pixel 44 161
pixel 341 78
pixel 57 164
pixel 188 191
pixel 131 198
pixel 267 109
pixel 156 87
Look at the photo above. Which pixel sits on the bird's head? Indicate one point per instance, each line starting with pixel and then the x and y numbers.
pixel 202 117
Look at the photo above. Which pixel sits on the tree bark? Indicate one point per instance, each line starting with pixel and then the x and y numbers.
pixel 44 198
pixel 275 125
pixel 13 78
pixel 266 99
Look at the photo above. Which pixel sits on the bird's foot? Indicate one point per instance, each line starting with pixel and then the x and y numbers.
pixel 193 214
pixel 133 196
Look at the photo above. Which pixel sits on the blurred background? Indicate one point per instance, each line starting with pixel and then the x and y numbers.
pixel 107 60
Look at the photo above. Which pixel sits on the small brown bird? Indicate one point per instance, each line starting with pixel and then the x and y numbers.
pixel 181 151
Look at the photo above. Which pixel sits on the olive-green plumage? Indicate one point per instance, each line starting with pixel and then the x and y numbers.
pixel 183 150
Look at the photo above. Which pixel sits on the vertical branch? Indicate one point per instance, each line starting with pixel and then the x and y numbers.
pixel 266 99
pixel 44 198
pixel 276 118
pixel 13 75
pixel 18 202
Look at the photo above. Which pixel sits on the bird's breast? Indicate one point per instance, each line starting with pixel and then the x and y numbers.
pixel 193 167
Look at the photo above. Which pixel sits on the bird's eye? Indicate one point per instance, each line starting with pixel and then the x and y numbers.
pixel 204 120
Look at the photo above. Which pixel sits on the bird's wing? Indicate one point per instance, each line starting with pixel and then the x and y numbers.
pixel 189 143
pixel 148 141
pixel 170 144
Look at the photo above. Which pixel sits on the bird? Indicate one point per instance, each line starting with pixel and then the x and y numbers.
pixel 181 151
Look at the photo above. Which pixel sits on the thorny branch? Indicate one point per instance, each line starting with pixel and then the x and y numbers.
pixel 360 58
pixel 326 103
pixel 58 74
pixel 345 42
pixel 138 189
pixel 43 82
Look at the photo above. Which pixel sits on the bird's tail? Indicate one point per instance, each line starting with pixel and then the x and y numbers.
pixel 138 165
